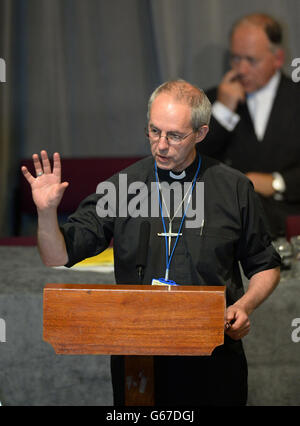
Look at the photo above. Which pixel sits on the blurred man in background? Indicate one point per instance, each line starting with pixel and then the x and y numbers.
pixel 255 126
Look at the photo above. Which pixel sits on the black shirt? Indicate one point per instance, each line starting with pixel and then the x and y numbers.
pixel 233 231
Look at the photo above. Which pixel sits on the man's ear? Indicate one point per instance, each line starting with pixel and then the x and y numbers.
pixel 280 58
pixel 201 133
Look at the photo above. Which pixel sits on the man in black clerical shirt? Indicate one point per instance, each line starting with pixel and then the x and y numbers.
pixel 232 232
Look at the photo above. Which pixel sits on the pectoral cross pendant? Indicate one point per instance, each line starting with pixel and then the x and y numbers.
pixel 169 234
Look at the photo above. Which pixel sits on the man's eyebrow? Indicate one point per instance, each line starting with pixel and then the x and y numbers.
pixel 169 131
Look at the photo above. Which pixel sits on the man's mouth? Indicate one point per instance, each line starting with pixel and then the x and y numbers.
pixel 162 158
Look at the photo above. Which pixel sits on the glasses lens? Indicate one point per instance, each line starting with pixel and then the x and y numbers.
pixel 173 138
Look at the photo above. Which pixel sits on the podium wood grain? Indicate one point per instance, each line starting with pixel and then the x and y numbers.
pixel 133 319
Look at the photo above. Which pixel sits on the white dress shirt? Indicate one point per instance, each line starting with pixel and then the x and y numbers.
pixel 260 105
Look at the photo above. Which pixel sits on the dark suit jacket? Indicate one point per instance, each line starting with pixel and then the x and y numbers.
pixel 279 151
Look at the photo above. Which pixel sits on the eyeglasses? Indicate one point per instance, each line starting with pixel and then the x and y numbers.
pixel 236 60
pixel 154 135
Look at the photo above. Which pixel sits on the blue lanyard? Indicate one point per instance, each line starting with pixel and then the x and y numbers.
pixel 168 259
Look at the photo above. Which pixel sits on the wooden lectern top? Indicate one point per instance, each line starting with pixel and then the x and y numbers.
pixel 134 319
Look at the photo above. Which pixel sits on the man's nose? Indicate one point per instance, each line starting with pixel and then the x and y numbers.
pixel 243 66
pixel 163 143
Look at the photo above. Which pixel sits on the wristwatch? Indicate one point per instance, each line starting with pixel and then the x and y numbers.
pixel 278 183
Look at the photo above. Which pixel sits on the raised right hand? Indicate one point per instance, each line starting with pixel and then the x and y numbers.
pixel 47 188
pixel 230 90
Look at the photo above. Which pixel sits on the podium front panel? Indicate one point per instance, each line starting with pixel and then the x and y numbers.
pixel 134 319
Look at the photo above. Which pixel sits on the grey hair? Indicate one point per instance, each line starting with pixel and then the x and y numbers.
pixel 184 92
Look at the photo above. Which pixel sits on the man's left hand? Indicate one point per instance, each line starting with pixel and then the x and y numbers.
pixel 262 183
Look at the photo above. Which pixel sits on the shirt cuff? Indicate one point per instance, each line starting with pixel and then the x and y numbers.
pixel 225 116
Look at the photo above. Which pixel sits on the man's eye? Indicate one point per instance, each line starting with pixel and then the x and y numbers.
pixel 252 61
pixel 174 137
pixel 154 131
pixel 235 58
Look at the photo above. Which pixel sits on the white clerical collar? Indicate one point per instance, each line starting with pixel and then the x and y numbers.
pixel 178 177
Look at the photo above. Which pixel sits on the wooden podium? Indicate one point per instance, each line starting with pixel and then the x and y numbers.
pixel 135 320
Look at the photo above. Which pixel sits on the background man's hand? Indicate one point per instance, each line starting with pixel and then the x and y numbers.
pixel 47 189
pixel 230 91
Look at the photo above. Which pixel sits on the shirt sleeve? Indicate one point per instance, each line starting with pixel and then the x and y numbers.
pixel 85 233
pixel 256 251
pixel 225 116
